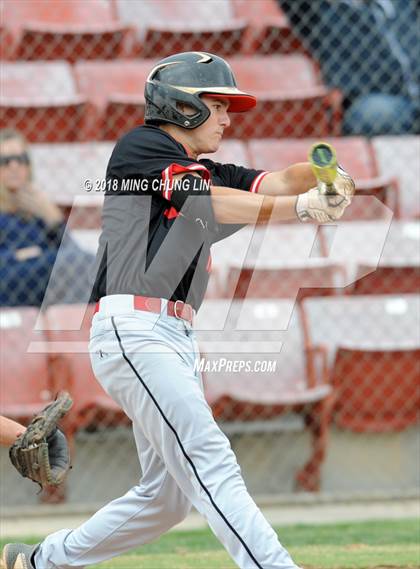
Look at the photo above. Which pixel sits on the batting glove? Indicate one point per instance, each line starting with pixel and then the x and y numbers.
pixel 344 184
pixel 320 207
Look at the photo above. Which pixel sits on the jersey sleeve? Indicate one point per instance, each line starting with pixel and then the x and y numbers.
pixel 153 158
pixel 237 177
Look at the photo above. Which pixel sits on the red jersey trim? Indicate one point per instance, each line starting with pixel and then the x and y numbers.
pixel 168 174
pixel 257 181
pixel 171 213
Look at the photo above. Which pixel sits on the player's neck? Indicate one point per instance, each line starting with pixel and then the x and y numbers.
pixel 177 134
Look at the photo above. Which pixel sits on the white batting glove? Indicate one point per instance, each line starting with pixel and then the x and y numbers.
pixel 320 207
pixel 344 184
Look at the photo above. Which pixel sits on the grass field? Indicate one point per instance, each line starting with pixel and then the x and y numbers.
pixel 379 544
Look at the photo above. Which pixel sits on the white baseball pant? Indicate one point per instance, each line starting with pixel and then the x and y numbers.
pixel 145 362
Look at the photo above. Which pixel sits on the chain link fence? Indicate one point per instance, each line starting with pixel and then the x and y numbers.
pixel 309 335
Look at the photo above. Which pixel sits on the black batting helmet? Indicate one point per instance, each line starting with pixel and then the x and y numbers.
pixel 182 78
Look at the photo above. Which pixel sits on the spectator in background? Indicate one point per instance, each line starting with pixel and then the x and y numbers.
pixel 32 229
pixel 370 51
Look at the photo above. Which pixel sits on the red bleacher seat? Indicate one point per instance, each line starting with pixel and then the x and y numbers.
pixel 64 29
pixel 269 29
pixel 364 322
pixel 291 99
pixel 289 246
pixel 393 279
pixel 82 212
pixel 26 384
pixel 402 242
pixel 354 153
pixel 116 90
pixel 6 43
pixel 85 161
pixel 87 239
pixel 373 348
pixel 398 157
pixel 292 103
pixel 27 379
pixel 381 257
pixel 282 243
pixel 170 27
pixel 265 330
pixel 376 390
pixel 40 100
pixel 315 277
pixel 68 329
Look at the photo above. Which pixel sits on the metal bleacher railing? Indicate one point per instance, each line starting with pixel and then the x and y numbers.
pixel 341 363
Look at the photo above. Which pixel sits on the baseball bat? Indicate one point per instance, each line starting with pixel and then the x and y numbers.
pixel 323 161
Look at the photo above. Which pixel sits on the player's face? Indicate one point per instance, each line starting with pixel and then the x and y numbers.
pixel 207 137
pixel 14 164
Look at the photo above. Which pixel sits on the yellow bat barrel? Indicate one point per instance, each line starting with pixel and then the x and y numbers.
pixel 323 160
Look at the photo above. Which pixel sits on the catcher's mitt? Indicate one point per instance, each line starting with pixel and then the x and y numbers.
pixel 41 453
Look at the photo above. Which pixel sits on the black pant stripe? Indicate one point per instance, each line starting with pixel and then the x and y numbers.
pixel 183 450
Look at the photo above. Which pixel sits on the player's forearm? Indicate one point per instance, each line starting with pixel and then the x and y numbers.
pixel 294 180
pixel 9 431
pixel 236 206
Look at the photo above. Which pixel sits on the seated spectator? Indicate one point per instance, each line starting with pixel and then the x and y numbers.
pixel 370 51
pixel 32 233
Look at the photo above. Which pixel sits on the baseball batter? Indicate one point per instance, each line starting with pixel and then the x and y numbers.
pixel 163 210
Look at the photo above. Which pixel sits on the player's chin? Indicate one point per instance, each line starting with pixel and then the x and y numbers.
pixel 213 145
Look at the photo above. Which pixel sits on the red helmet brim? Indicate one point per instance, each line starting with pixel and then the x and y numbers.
pixel 238 103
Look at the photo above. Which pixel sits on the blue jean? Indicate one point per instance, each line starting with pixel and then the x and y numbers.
pixel 377 114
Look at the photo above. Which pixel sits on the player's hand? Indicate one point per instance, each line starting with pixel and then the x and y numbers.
pixel 35 202
pixel 344 184
pixel 320 207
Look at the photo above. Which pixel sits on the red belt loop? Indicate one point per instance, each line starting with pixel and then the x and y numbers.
pixel 182 310
pixel 147 303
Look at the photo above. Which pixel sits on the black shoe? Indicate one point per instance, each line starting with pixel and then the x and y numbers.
pixel 18 556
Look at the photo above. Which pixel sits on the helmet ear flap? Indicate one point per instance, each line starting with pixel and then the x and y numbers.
pixel 161 106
